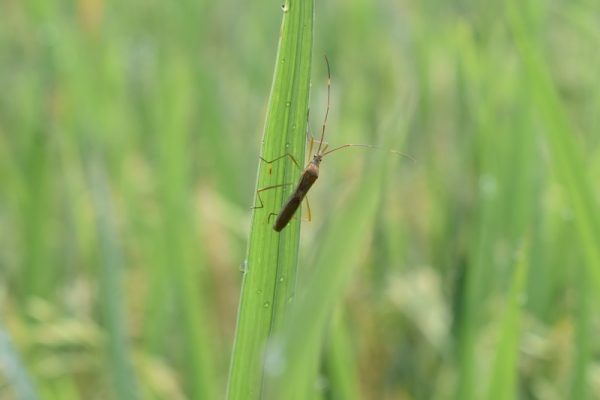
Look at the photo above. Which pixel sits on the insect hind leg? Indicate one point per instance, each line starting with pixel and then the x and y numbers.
pixel 259 191
pixel 308 216
pixel 308 212
pixel 269 217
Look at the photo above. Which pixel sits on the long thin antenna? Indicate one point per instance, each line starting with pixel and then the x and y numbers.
pixel 328 101
pixel 370 146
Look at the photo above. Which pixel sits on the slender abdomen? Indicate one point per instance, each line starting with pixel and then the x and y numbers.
pixel 288 211
pixel 294 201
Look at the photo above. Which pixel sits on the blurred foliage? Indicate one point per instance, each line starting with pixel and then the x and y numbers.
pixel 129 136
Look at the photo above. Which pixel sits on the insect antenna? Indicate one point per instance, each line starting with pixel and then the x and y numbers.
pixel 328 102
pixel 369 146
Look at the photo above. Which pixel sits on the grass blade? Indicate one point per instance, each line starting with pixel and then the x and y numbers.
pixel 572 173
pixel 270 270
pixel 13 367
pixel 182 257
pixel 339 361
pixel 504 374
pixel 111 287
pixel 292 356
pixel 570 167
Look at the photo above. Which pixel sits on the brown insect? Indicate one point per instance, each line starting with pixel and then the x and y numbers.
pixel 310 174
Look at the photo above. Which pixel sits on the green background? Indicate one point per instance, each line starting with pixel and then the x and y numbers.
pixel 129 143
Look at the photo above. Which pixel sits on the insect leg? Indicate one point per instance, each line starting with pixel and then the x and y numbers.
pixel 262 205
pixel 309 216
pixel 310 138
pixel 269 217
pixel 279 158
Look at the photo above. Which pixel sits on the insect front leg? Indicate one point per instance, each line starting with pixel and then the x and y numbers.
pixel 310 138
pixel 279 158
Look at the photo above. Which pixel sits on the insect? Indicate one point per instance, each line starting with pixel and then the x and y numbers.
pixel 310 173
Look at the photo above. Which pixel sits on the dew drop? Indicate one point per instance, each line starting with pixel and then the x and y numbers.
pixel 267 304
pixel 244 266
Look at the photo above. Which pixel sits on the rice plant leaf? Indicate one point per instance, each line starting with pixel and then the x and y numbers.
pixel 270 266
pixel 293 355
pixel 504 374
pixel 13 368
pixel 566 155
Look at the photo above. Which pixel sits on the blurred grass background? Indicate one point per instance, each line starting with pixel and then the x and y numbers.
pixel 129 139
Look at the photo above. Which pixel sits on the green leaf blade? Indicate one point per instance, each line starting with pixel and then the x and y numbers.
pixel 272 257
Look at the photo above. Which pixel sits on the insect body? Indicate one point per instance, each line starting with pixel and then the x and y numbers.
pixel 309 177
pixel 310 174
